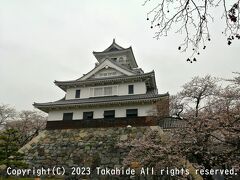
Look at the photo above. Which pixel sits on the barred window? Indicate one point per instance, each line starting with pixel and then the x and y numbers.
pixel 103 91
pixel 98 91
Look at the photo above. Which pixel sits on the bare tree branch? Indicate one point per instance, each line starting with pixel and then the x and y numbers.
pixel 192 18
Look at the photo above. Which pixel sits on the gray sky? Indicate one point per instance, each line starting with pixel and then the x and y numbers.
pixel 46 40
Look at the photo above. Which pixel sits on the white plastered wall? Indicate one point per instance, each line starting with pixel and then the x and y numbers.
pixel 139 88
pixel 120 111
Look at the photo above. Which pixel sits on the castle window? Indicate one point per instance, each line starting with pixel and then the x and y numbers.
pixel 98 91
pixel 109 114
pixel 103 91
pixel 77 93
pixel 130 89
pixel 88 115
pixel 107 91
pixel 67 116
pixel 131 112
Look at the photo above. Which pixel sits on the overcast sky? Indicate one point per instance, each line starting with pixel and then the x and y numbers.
pixel 46 40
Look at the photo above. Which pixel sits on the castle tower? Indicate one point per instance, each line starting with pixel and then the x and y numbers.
pixel 115 93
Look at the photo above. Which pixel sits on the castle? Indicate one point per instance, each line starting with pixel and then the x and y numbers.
pixel 115 93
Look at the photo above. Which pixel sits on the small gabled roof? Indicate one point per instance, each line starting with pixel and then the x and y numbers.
pixel 108 63
pixel 115 49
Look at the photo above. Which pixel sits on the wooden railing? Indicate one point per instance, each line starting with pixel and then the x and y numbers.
pixel 170 123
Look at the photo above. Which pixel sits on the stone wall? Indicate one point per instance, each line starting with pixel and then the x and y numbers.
pixel 93 147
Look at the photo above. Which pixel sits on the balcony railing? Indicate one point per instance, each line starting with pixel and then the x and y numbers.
pixel 170 123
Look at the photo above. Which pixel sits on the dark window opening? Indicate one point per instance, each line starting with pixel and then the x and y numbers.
pixel 131 112
pixel 77 94
pixel 67 116
pixel 130 89
pixel 88 115
pixel 109 114
pixel 114 59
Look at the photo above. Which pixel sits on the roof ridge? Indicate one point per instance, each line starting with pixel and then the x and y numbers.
pixel 113 45
pixel 121 66
pixel 124 49
pixel 76 80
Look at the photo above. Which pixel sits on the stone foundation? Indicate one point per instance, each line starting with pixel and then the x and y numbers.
pixel 90 147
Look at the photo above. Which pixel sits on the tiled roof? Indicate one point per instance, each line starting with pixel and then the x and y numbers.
pixel 112 61
pixel 128 51
pixel 105 79
pixel 64 84
pixel 113 47
pixel 149 97
pixel 121 66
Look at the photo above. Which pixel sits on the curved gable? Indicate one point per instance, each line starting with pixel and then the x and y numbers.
pixel 107 66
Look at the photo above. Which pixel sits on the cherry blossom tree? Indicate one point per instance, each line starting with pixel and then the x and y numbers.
pixel 28 125
pixel 210 137
pixel 6 113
